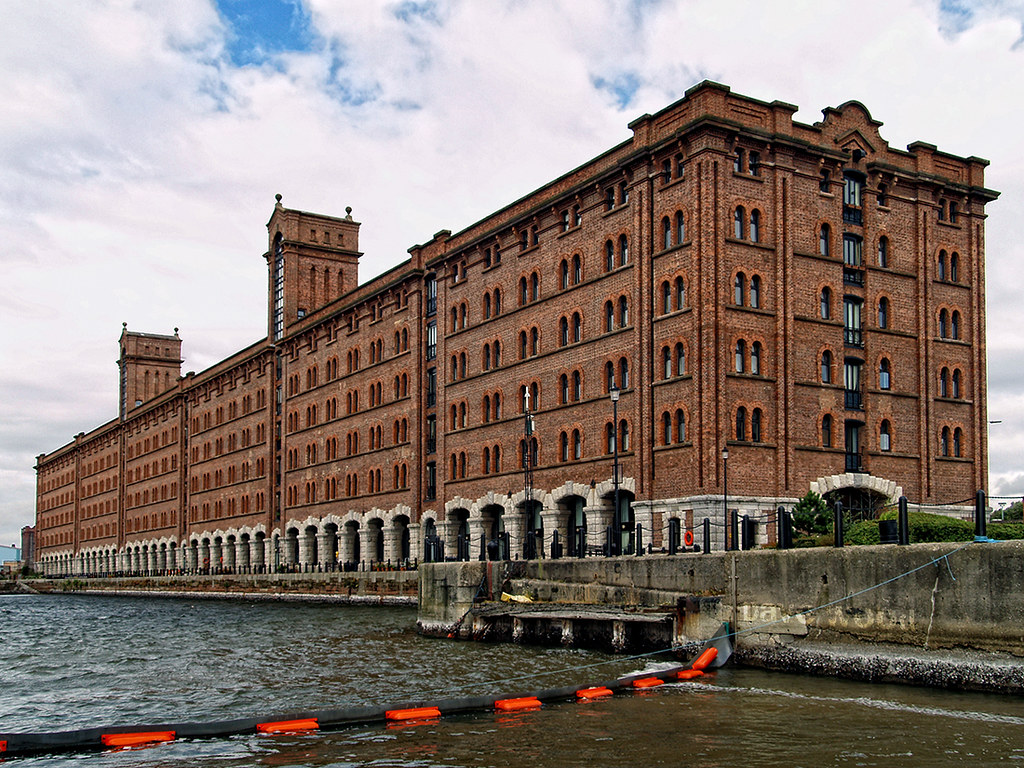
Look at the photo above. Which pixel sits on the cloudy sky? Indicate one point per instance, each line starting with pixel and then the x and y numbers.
pixel 142 143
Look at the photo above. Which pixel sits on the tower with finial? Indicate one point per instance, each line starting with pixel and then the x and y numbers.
pixel 150 364
pixel 313 260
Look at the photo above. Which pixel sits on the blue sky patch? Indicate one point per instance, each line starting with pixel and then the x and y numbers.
pixel 622 87
pixel 258 30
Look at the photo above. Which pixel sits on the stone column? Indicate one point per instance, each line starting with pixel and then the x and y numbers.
pixel 598 519
pixel 346 545
pixel 415 541
pixel 367 543
pixel 324 548
pixel 515 525
pixel 554 520
pixel 229 555
pixel 244 547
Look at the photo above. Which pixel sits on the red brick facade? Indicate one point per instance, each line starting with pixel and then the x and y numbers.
pixel 804 295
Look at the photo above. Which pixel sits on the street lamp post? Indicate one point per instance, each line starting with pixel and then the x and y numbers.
pixel 614 392
pixel 528 426
pixel 725 497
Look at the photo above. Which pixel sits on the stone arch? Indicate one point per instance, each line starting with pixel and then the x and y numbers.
pixel 880 485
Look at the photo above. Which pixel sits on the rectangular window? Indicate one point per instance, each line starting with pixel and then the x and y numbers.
pixel 852 188
pixel 852 321
pixel 852 250
pixel 431 434
pixel 431 296
pixel 431 387
pixel 431 489
pixel 431 340
pixel 851 383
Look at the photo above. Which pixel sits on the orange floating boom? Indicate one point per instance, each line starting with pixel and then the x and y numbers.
pixel 585 694
pixel 705 658
pixel 517 705
pixel 648 682
pixel 416 713
pixel 289 726
pixel 135 739
pixel 689 674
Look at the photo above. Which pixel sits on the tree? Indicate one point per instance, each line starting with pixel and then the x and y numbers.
pixel 811 515
pixel 1012 512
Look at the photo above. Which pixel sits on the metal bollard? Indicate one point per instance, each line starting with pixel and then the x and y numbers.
pixel 734 532
pixel 903 523
pixel 707 536
pixel 785 524
pixel 979 516
pixel 837 524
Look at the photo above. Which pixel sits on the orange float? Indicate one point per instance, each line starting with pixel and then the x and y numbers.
pixel 289 726
pixel 416 713
pixel 517 705
pixel 135 739
pixel 705 658
pixel 648 682
pixel 585 694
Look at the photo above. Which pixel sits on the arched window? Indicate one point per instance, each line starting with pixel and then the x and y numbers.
pixel 609 316
pixel 737 223
pixel 666 298
pixel 954 267
pixel 609 256
pixel 623 312
pixel 883 312
pixel 487 357
pixel 666 233
pixel 565 274
pixel 623 250
pixel 577 269
pixel 741 423
pixel 883 251
pixel 623 373
pixel 680 360
pixel 954 325
pixel 739 288
pixel 497 302
pixel 666 428
pixel 944 441
pixel 956 383
pixel 885 436
pixel 944 382
pixel 823 240
pixel 563 331
pixel 826 367
pixel 522 345
pixel 680 293
pixel 957 441
pixel 577 444
pixel 680 426
pixel 883 374
pixel 524 294
pixel 487 306
pixel 755 226
pixel 943 322
pixel 755 291
pixel 755 425
pixel 942 265
pixel 609 376
pixel 534 342
pixel 609 437
pixel 623 435
pixel 534 287
pixel 563 441
pixel 680 228
pixel 740 354
pixel 563 387
pixel 826 303
pixel 577 327
pixel 577 386
pixel 826 431
pixel 755 358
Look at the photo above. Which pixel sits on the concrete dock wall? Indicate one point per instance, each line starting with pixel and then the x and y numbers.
pixel 924 595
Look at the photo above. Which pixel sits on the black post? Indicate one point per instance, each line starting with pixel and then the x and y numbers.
pixel 747 536
pixel 556 546
pixel 837 525
pixel 673 539
pixel 707 536
pixel 506 545
pixel 639 548
pixel 483 548
pixel 903 523
pixel 785 523
pixel 734 525
pixel 979 516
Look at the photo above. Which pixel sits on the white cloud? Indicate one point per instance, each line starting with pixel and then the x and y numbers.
pixel 140 167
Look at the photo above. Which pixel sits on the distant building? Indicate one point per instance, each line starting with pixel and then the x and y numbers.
pixel 805 296
pixel 28 546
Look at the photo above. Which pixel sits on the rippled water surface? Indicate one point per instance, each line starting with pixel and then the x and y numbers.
pixel 70 662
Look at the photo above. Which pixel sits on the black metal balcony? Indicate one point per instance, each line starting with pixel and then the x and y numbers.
pixel 853 276
pixel 853 337
pixel 853 215
pixel 853 462
pixel 854 400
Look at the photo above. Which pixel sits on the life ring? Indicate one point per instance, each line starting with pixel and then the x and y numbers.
pixel 688 538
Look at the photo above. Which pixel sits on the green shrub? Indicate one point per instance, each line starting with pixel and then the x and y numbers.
pixel 811 515
pixel 864 532
pixel 1005 531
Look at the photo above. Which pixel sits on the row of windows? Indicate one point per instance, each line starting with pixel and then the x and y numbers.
pixel 243 472
pixel 951 441
pixel 329 488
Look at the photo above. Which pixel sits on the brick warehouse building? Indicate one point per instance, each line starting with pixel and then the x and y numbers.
pixel 803 295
